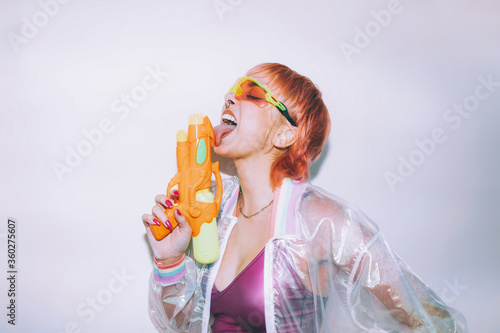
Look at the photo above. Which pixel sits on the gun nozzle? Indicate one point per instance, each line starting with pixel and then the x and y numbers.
pixel 196 119
pixel 181 136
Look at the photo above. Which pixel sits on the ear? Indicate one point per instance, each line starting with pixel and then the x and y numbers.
pixel 285 136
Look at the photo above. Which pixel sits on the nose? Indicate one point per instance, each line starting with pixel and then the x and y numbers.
pixel 229 99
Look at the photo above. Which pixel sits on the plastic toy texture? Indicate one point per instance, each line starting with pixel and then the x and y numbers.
pixel 196 202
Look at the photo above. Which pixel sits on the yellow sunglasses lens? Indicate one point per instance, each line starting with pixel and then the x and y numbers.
pixel 238 91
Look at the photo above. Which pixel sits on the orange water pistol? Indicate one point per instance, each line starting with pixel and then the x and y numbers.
pixel 196 202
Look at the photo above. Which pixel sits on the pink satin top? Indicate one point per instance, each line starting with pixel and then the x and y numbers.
pixel 240 307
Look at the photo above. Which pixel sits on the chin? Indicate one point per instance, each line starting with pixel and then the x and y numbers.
pixel 225 151
pixel 221 150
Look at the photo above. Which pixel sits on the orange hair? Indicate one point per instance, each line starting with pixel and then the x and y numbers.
pixel 303 100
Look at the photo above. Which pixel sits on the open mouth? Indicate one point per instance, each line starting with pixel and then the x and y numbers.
pixel 228 124
pixel 228 118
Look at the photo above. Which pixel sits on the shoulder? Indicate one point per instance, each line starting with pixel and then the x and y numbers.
pixel 331 228
pixel 318 203
pixel 319 206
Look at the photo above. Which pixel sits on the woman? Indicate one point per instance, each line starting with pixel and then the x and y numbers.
pixel 294 258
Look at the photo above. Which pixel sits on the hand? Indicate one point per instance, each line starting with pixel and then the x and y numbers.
pixel 171 248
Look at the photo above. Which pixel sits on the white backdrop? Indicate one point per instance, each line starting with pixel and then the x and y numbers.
pixel 93 92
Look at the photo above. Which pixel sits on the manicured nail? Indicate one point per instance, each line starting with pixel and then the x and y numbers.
pixel 157 222
pixel 178 212
pixel 169 204
pixel 176 193
pixel 168 224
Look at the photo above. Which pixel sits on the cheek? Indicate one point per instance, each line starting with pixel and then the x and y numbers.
pixel 260 117
pixel 253 137
pixel 256 123
pixel 268 125
pixel 259 127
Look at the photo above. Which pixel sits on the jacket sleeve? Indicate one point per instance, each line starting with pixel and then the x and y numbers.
pixel 171 302
pixel 177 294
pixel 361 280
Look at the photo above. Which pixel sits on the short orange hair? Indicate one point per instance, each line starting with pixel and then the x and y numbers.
pixel 305 104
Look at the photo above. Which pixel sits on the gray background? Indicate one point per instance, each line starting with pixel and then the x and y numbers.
pixel 78 231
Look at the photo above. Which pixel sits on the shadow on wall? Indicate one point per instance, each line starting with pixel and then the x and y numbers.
pixel 314 170
pixel 226 164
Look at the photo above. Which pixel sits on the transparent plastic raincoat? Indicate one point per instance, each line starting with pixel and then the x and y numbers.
pixel 327 268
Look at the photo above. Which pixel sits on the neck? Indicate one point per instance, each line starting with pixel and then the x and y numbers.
pixel 255 183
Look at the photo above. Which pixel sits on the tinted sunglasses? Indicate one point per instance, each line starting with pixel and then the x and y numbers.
pixel 248 89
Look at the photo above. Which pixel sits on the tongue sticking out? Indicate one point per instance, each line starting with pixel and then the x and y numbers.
pixel 221 131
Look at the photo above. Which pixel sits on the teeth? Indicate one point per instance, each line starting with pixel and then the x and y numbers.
pixel 230 119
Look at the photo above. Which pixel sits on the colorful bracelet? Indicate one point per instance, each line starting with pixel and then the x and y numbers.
pixel 161 266
pixel 169 274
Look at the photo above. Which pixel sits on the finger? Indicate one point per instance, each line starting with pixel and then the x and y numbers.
pixel 182 222
pixel 148 219
pixel 160 214
pixel 174 195
pixel 163 201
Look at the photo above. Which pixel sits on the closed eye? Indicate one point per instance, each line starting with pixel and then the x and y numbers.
pixel 253 98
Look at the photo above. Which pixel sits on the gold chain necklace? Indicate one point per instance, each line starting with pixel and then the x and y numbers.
pixel 252 215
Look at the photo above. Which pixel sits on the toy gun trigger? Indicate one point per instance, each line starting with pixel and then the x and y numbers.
pixel 218 184
pixel 210 128
pixel 175 180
